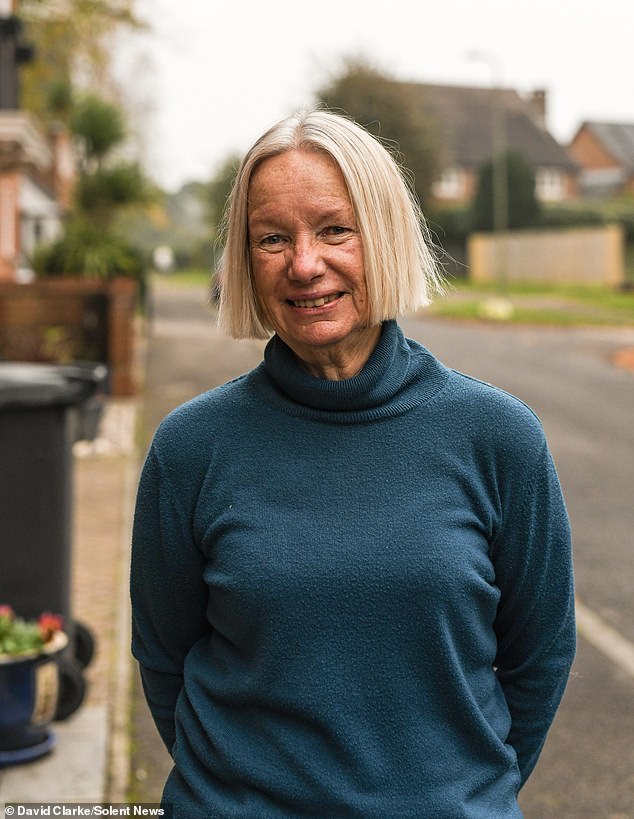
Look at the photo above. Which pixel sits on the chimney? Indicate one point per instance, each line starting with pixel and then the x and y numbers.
pixel 537 101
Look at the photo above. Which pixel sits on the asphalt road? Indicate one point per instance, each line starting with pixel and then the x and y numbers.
pixel 587 406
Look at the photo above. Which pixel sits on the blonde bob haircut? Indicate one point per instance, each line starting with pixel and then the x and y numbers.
pixel 401 268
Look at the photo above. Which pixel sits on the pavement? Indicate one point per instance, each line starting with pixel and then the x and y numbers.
pixel 90 760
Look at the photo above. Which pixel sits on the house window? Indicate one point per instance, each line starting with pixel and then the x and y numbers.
pixel 451 185
pixel 550 185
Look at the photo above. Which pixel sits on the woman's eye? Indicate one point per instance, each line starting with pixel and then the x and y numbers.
pixel 335 231
pixel 273 242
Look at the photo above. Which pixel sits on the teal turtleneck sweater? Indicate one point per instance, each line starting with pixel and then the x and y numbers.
pixel 353 598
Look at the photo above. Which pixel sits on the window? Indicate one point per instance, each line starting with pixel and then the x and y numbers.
pixel 550 185
pixel 451 185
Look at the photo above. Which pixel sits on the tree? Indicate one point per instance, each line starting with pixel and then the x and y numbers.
pixel 394 112
pixel 99 127
pixel 73 46
pixel 90 245
pixel 218 190
pixel 523 208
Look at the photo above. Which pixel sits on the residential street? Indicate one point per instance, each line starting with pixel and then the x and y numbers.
pixel 587 407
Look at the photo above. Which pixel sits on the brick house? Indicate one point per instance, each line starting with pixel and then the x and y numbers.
pixel 605 152
pixel 36 173
pixel 463 117
pixel 36 169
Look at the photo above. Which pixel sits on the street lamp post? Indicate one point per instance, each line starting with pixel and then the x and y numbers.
pixel 499 167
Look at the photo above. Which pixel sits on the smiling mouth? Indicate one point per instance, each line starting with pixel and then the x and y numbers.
pixel 314 302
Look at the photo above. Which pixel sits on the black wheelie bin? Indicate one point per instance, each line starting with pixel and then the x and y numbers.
pixel 44 409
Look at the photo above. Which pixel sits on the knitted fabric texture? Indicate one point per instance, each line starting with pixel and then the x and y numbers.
pixel 352 599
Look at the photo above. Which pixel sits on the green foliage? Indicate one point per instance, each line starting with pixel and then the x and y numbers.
pixel 523 209
pixel 178 220
pixel 59 98
pixel 98 125
pixel 46 82
pixel 218 190
pixel 87 250
pixel 622 212
pixel 572 214
pixel 22 638
pixel 584 214
pixel 19 636
pixel 107 189
pixel 72 39
pixel 91 246
pixel 538 303
pixel 450 224
pixel 392 111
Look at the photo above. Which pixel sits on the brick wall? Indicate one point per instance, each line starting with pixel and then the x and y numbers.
pixel 589 153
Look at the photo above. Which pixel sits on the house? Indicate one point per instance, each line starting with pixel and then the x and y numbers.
pixel 605 152
pixel 465 121
pixel 35 183
pixel 36 169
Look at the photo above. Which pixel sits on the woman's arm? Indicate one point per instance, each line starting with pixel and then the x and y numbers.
pixel 169 596
pixel 535 623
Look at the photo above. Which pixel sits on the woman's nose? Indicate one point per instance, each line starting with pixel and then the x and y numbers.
pixel 306 260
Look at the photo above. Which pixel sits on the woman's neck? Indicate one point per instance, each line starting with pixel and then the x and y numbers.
pixel 339 362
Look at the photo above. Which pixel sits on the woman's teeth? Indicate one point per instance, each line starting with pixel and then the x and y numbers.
pixel 314 302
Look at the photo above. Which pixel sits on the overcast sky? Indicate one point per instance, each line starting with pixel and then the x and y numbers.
pixel 210 76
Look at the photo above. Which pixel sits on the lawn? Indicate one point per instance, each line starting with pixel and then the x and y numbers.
pixel 570 305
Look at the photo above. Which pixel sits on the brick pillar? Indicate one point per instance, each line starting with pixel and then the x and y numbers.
pixel 63 170
pixel 9 225
pixel 122 294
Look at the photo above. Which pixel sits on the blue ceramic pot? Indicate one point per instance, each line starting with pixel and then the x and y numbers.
pixel 29 690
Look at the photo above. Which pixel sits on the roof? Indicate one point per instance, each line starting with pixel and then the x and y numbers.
pixel 617 138
pixel 464 117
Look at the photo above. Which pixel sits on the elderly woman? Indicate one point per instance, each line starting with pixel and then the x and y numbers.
pixel 351 578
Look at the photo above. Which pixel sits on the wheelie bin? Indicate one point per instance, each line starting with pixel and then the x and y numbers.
pixel 44 409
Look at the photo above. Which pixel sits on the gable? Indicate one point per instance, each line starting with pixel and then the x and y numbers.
pixel 464 116
pixel 618 141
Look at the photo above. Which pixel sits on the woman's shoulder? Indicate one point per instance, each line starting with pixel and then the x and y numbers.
pixel 494 411
pixel 197 423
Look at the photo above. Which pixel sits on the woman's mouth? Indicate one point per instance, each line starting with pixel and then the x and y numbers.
pixel 319 302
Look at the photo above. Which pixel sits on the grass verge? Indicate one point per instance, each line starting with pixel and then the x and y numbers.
pixel 558 305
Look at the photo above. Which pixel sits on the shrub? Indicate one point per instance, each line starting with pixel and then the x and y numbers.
pixel 523 209
pixel 85 250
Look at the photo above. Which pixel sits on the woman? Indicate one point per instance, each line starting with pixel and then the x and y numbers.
pixel 351 578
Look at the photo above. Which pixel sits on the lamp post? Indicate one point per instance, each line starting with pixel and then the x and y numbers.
pixel 500 168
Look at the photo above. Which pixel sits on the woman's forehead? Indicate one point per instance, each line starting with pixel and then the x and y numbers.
pixel 297 179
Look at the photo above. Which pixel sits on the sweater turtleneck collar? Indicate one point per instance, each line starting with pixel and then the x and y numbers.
pixel 398 375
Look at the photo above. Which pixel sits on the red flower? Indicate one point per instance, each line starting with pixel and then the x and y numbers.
pixel 49 624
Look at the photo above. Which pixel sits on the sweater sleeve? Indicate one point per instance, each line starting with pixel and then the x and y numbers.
pixel 535 623
pixel 168 593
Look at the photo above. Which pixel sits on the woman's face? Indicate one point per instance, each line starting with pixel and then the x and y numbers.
pixel 307 261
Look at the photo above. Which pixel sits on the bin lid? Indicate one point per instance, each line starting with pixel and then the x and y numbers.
pixel 23 384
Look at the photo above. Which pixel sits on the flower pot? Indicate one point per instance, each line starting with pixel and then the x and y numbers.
pixel 29 690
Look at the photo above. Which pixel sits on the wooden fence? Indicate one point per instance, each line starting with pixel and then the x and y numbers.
pixel 593 255
pixel 68 319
